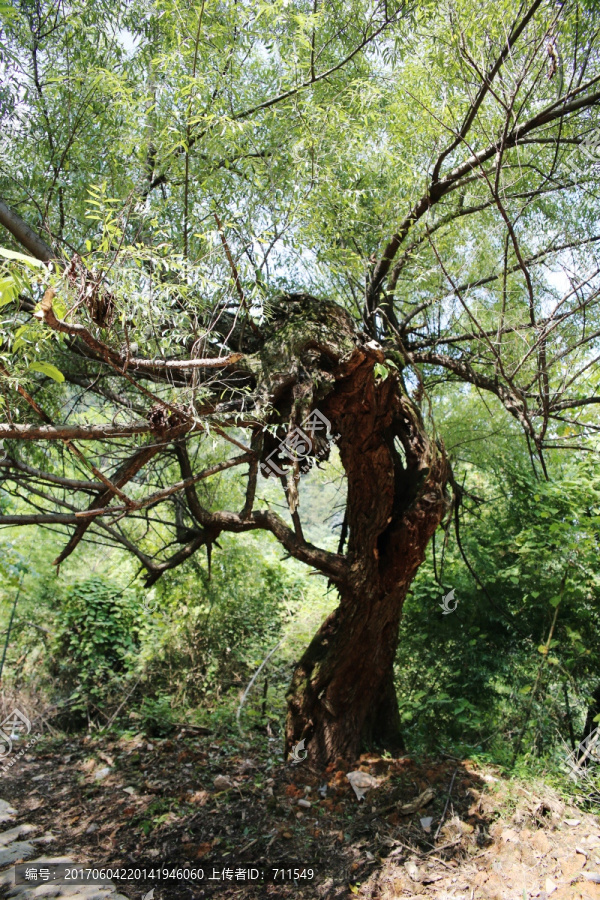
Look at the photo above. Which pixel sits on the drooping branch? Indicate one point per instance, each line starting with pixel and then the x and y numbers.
pixel 119 479
pixel 512 400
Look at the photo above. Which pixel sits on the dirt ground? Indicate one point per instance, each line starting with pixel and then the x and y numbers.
pixel 196 800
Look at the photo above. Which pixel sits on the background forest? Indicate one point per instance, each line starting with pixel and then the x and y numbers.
pixel 509 677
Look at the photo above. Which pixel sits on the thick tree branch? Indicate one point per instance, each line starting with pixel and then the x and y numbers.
pixel 24 234
pixel 118 360
pixel 71 432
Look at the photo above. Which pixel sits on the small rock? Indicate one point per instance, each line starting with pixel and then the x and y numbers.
pixel 592 876
pixel 572 822
pixel 550 886
pixel 222 783
pixel 47 838
pixel 101 774
pixel 306 804
pixel 426 823
pixel 17 850
pixel 92 828
pixel 7 837
pixel 412 871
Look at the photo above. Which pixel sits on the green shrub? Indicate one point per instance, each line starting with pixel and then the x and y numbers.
pixel 96 641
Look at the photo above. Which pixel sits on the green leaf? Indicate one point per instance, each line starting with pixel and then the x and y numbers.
pixel 554 601
pixel 47 369
pixel 8 290
pixel 12 254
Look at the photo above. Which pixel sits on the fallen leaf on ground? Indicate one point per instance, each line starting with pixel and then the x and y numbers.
pixel 361 783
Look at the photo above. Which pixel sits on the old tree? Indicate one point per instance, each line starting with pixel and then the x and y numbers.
pixel 223 218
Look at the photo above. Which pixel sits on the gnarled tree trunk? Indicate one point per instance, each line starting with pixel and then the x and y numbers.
pixel 342 693
pixel 314 358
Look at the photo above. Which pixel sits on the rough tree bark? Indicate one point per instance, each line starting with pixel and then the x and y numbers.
pixel 342 693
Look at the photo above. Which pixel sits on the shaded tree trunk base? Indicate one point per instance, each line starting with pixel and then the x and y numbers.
pixel 381 730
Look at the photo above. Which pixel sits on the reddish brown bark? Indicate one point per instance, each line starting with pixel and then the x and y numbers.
pixel 342 695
